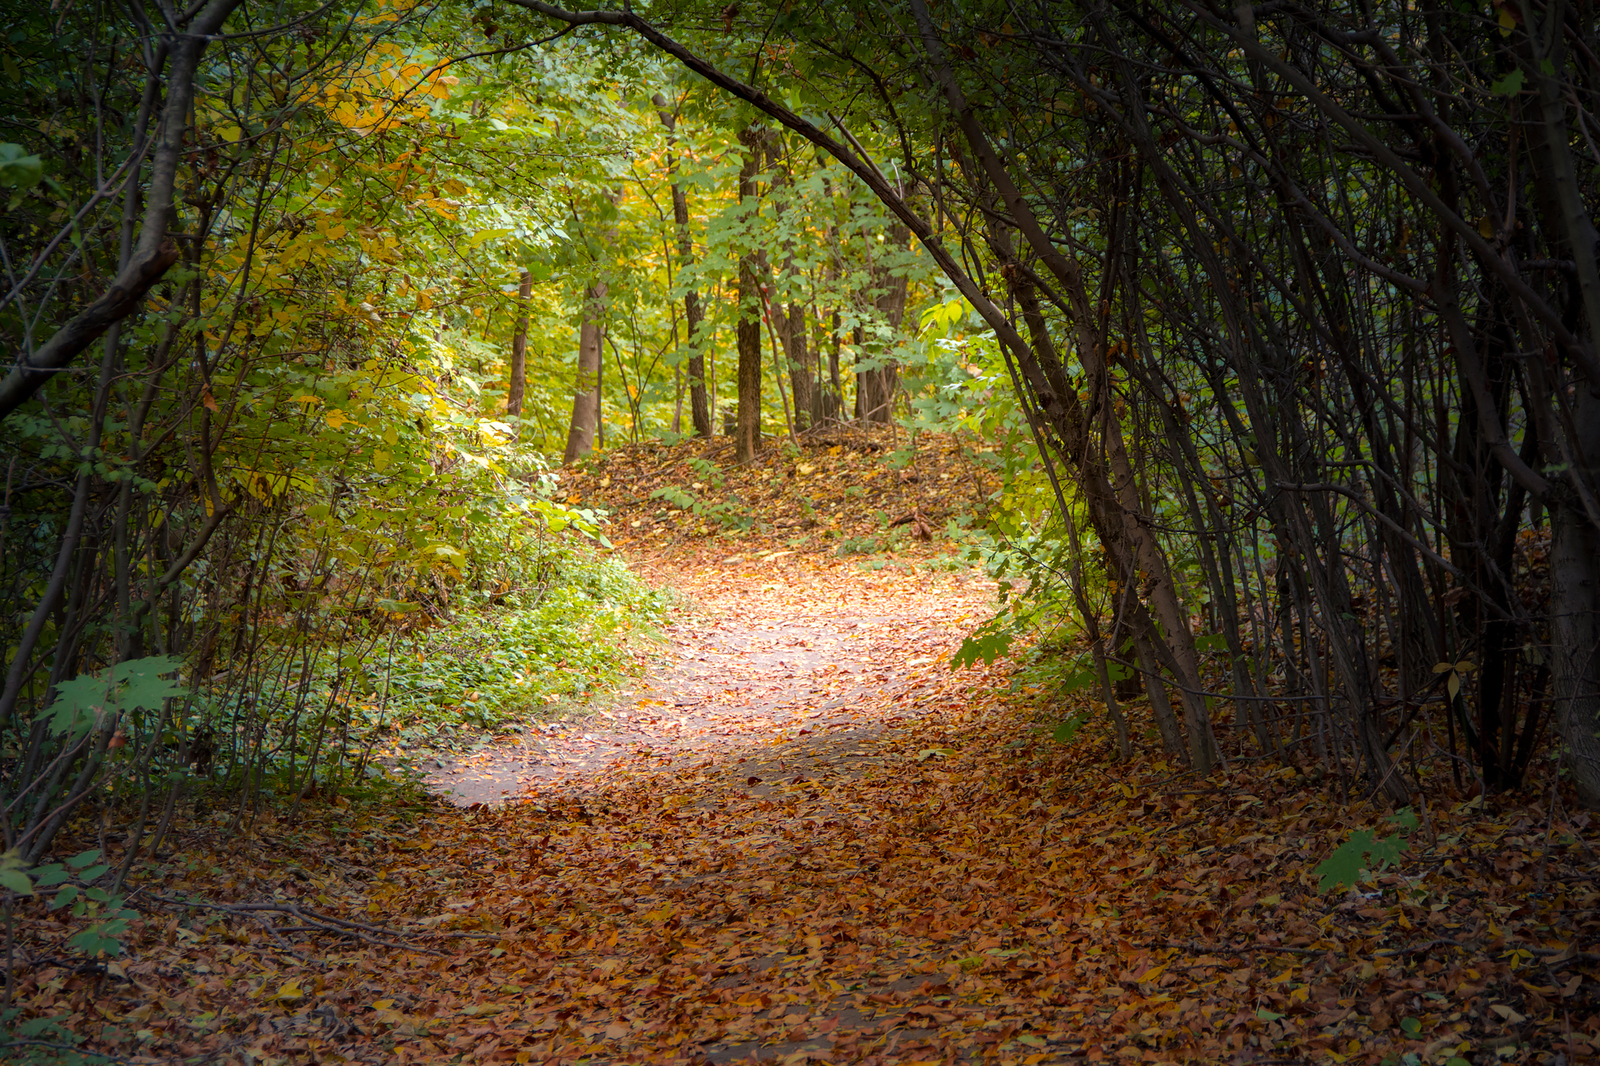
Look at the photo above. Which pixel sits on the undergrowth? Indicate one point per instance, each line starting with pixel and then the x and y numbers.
pixel 494 668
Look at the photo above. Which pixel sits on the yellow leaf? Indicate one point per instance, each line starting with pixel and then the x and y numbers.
pixel 337 418
pixel 1442 668
pixel 290 990
pixel 307 399
pixel 1453 686
pixel 1508 22
pixel 390 436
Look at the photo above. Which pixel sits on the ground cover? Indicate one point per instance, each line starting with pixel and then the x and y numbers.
pixel 802 837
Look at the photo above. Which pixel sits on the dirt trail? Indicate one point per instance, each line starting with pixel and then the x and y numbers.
pixel 779 685
pixel 803 839
pixel 798 657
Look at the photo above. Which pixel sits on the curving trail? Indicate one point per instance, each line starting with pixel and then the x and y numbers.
pixel 771 649
pixel 804 839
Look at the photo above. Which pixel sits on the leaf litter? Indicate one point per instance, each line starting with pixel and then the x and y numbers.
pixel 807 840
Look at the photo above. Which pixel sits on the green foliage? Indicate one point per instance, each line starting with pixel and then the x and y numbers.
pixel 505 662
pixel 1365 851
pixel 19 170
pixel 1065 731
pixel 91 698
pixel 44 1042
pixel 729 514
pixel 988 642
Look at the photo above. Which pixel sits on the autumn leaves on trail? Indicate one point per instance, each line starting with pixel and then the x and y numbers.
pixel 771 649
pixel 863 858
pixel 816 843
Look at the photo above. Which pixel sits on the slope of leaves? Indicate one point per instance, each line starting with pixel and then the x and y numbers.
pixel 851 490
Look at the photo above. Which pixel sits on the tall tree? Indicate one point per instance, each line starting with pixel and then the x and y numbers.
pixel 786 304
pixel 591 357
pixel 519 347
pixel 878 381
pixel 693 314
pixel 753 138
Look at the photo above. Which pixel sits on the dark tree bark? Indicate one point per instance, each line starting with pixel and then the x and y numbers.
pixel 876 386
pixel 748 330
pixel 519 348
pixel 586 391
pixel 693 313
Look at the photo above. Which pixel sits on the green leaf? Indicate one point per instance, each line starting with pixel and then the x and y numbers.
pixel 1268 1015
pixel 1362 851
pixel 1411 1026
pixel 53 874
pixel 985 646
pixel 17 170
pixel 14 873
pixel 145 688
pixel 1065 731
pixel 132 685
pixel 77 703
pixel 1510 85
pixel 1080 680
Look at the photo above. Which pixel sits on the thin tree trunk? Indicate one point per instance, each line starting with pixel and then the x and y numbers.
pixel 875 387
pixel 748 331
pixel 586 392
pixel 693 313
pixel 519 348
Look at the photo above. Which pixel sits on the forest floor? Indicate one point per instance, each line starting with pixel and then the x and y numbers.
pixel 803 837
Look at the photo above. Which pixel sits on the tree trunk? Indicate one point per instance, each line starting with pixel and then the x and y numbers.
pixel 789 323
pixel 693 313
pixel 875 387
pixel 586 392
pixel 519 349
pixel 748 330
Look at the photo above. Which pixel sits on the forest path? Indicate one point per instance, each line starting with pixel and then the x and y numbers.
pixel 723 806
pixel 838 850
pixel 772 655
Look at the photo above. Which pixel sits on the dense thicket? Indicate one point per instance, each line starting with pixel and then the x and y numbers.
pixel 1302 300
